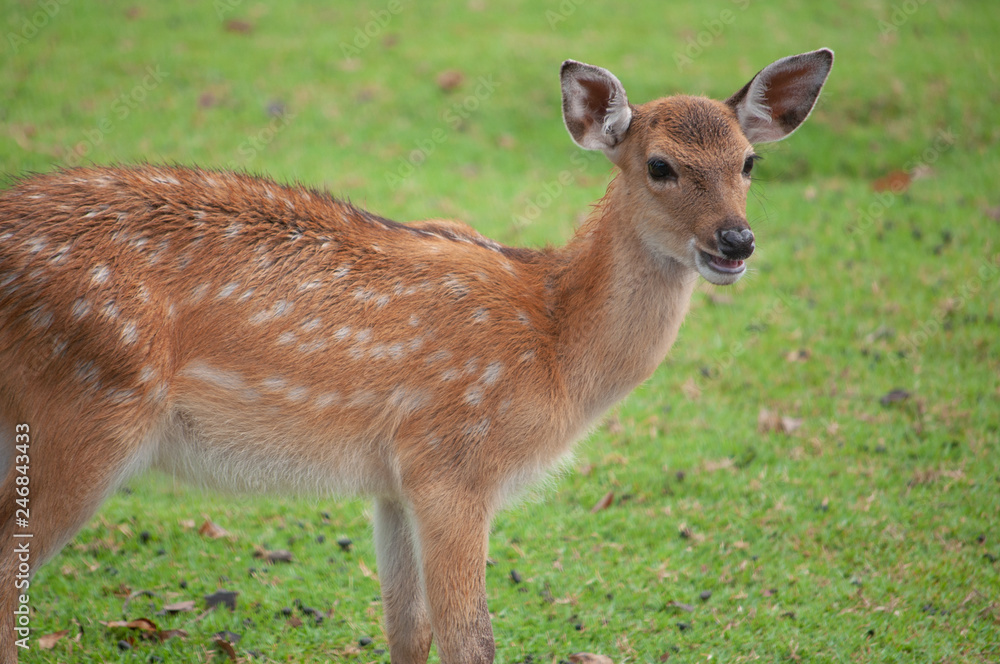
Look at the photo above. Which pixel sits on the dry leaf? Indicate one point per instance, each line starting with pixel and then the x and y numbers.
pixel 48 641
pixel 589 658
pixel 225 598
pixel 294 621
pixel 604 503
pixel 179 607
pixel 790 424
pixel 279 556
pixel 768 421
pixel 449 80
pixel 897 182
pixel 800 355
pixel 226 647
pixel 894 396
pixel 367 573
pixel 213 530
pixel 141 624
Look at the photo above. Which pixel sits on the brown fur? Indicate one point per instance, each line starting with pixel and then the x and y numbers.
pixel 258 337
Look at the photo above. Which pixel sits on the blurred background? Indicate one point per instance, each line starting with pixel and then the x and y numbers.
pixel 821 452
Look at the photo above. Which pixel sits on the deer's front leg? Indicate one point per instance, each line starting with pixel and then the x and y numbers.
pixel 453 528
pixel 406 621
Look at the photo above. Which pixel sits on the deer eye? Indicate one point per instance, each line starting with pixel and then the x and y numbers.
pixel 748 164
pixel 660 170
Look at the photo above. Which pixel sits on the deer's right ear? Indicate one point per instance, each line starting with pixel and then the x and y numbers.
pixel 595 108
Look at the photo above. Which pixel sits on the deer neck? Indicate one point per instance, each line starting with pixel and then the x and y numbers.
pixel 620 306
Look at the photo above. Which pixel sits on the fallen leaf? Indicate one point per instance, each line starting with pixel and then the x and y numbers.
pixel 179 607
pixel 800 355
pixel 239 26
pixel 897 182
pixel 213 530
pixel 48 641
pixel 604 503
pixel 790 424
pixel 225 598
pixel 898 394
pixel 449 80
pixel 294 621
pixel 279 556
pixel 225 647
pixel 768 421
pixel 163 635
pixel 589 658
pixel 367 573
pixel 141 624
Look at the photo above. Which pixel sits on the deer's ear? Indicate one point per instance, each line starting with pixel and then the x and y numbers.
pixel 595 108
pixel 780 97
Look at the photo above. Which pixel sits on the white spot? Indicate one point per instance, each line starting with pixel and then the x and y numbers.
pixel 99 275
pixel 87 372
pixel 342 333
pixel 80 308
pixel 470 365
pixel 247 294
pixel 363 335
pixel 158 393
pixel 227 380
pixel 142 293
pixel 120 396
pixel 199 293
pixel 396 351
pixel 35 245
pixel 523 318
pixel 233 229
pixel 433 441
pixel 478 430
pixel 415 343
pixel 342 270
pixel 297 393
pixel 40 319
pixel 110 309
pixel 163 179
pixel 474 394
pixel 228 290
pixel 147 374
pixel 492 373
pixel 361 398
pixel 312 346
pixel 310 285
pixel 59 347
pixel 139 242
pixel 408 400
pixel 480 315
pixel 287 337
pixel 382 300
pixel 526 356
pixel 60 254
pixel 311 324
pixel 438 356
pixel 275 383
pixel 378 352
pixel 129 333
pixel 449 375
pixel 414 320
pixel 326 399
pixel 455 287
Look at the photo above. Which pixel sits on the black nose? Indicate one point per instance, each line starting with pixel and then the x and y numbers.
pixel 736 243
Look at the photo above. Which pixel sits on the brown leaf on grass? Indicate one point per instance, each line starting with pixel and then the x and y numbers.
pixel 294 621
pixel 800 355
pixel 604 503
pixel 225 647
pixel 768 421
pixel 141 624
pixel 179 607
pixel 277 556
pixel 589 658
pixel 48 641
pixel 894 396
pixel 225 598
pixel 897 182
pixel 365 572
pixel 213 530
pixel 449 80
pixel 239 26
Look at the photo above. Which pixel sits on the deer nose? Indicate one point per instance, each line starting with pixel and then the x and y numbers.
pixel 736 243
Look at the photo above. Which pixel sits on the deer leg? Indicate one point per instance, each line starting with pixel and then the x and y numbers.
pixel 406 620
pixel 453 530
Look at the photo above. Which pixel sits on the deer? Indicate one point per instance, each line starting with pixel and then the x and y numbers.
pixel 252 336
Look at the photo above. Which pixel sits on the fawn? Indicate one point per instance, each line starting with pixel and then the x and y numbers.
pixel 255 337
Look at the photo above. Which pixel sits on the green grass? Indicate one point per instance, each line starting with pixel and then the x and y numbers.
pixel 868 534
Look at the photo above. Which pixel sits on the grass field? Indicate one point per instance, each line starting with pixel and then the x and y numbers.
pixel 813 475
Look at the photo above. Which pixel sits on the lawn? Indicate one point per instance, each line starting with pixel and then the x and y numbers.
pixel 812 475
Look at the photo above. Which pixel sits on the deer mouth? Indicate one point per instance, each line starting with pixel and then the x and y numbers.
pixel 719 270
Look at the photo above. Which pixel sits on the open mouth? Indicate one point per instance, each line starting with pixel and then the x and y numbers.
pixel 723 265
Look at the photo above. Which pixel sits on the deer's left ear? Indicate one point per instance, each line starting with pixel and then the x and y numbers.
pixel 780 97
pixel 595 108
